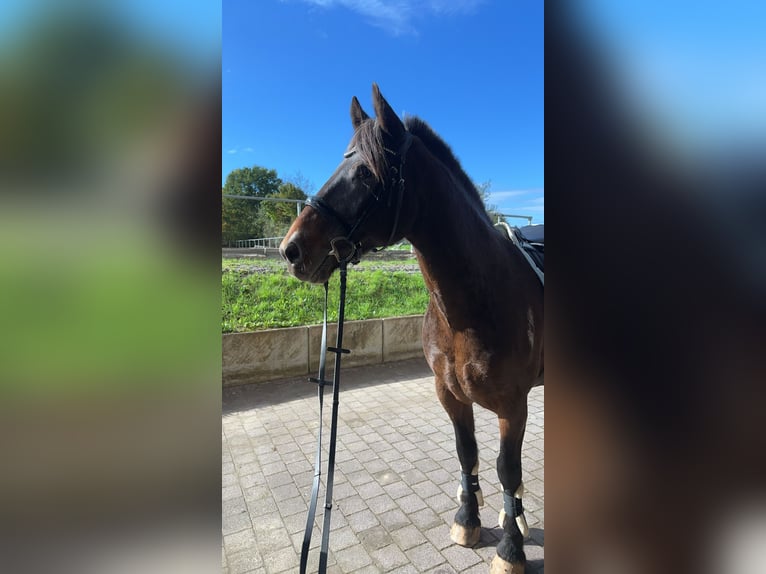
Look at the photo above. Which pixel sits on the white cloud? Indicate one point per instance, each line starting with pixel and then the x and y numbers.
pixel 396 16
pixel 508 194
pixel 519 201
pixel 237 149
pixel 453 6
pixel 534 205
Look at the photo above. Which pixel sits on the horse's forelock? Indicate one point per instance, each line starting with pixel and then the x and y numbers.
pixel 370 147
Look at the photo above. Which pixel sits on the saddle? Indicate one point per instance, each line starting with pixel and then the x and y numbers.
pixel 531 242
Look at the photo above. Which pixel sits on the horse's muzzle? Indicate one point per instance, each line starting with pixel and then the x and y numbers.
pixel 291 253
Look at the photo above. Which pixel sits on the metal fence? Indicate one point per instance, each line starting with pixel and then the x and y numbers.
pixel 501 216
pixel 262 242
pixel 273 242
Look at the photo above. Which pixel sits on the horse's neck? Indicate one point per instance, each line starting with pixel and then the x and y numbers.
pixel 452 238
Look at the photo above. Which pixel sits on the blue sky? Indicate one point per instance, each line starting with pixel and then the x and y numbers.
pixel 472 69
pixel 694 70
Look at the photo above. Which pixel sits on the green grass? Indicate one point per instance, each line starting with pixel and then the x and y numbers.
pixel 376 263
pixel 252 301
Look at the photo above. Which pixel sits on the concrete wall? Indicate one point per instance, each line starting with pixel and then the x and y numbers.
pixel 278 353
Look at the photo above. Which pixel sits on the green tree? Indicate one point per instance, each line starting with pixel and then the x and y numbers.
pixel 281 214
pixel 239 217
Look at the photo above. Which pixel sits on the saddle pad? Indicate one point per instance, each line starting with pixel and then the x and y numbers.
pixel 531 241
pixel 533 233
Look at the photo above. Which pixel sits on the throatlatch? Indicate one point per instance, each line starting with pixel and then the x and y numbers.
pixel 321 382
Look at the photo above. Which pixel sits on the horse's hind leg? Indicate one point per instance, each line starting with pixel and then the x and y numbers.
pixel 510 558
pixel 466 529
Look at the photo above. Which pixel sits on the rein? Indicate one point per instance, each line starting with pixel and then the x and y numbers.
pixel 346 251
pixel 321 382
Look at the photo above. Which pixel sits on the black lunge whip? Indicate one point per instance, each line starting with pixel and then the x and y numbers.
pixel 321 382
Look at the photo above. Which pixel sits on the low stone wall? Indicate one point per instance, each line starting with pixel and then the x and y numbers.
pixel 278 353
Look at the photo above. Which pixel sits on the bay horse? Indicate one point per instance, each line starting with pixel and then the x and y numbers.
pixel 483 328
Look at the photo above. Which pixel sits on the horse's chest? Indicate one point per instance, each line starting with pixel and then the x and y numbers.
pixel 471 362
pixel 461 361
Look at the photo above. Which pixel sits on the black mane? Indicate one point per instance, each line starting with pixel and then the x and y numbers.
pixel 444 154
pixel 369 144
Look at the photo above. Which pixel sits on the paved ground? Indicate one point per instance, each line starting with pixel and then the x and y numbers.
pixel 395 480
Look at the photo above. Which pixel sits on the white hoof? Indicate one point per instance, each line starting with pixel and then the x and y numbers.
pixel 500 566
pixel 464 536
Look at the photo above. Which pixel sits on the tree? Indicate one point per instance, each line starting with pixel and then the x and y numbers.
pixel 483 189
pixel 281 214
pixel 239 218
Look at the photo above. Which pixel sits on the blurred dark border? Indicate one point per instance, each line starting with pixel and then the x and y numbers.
pixel 655 327
pixel 110 357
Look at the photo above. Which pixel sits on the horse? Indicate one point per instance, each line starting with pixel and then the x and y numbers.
pixel 483 327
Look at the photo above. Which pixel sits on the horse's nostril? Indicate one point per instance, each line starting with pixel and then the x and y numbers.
pixel 292 253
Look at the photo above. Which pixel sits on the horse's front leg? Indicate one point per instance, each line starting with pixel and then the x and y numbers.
pixel 510 558
pixel 466 529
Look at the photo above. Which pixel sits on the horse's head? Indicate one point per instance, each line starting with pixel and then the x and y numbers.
pixel 363 205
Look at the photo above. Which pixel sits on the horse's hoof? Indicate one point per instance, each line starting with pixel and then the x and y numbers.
pixel 463 535
pixel 500 566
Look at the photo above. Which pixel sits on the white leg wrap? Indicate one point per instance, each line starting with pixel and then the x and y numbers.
pixel 478 493
pixel 521 520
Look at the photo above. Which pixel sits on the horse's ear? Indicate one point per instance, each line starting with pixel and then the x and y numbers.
pixel 387 118
pixel 358 115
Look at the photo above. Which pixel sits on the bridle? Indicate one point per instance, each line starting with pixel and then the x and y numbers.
pixel 345 247
pixel 346 250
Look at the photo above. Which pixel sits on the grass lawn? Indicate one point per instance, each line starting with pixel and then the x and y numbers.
pixel 259 294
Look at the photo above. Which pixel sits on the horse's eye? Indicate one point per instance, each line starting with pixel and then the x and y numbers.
pixel 363 171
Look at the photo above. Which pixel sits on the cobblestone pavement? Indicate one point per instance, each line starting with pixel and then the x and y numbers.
pixel 395 481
